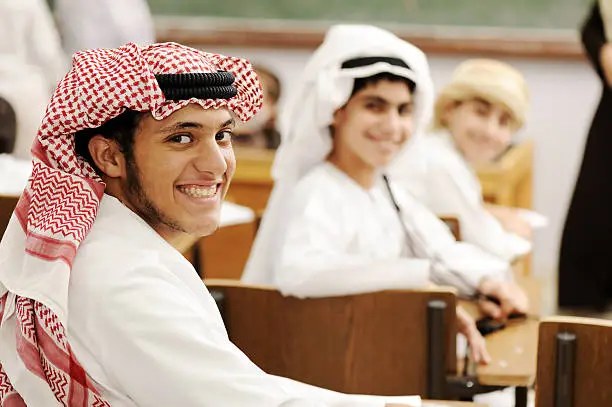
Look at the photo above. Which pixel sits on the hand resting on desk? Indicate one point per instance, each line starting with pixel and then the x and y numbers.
pixel 499 299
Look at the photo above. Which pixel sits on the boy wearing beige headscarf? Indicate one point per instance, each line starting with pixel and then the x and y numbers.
pixel 475 118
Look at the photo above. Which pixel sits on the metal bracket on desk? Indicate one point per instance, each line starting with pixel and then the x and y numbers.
pixel 436 351
pixel 564 369
pixel 439 385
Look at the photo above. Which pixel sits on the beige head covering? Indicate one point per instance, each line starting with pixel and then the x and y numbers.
pixel 491 80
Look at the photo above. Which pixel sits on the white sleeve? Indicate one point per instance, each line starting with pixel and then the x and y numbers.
pixel 458 264
pixel 478 226
pixel 169 348
pixel 313 260
pixel 464 266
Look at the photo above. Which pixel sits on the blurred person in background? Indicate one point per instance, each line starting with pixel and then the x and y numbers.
pixel 585 261
pixel 31 64
pixel 86 24
pixel 14 173
pixel 476 116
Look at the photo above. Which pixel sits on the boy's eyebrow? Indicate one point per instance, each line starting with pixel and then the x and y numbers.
pixel 192 125
pixel 374 98
pixel 483 101
pixel 227 123
pixel 180 126
pixel 380 99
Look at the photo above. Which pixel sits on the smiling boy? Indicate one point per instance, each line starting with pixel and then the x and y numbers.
pixel 97 306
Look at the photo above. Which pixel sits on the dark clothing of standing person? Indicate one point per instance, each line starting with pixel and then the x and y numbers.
pixel 585 263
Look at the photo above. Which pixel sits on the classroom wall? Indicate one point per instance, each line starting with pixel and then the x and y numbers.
pixel 564 96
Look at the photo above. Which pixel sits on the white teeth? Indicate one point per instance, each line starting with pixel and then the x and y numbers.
pixel 199 192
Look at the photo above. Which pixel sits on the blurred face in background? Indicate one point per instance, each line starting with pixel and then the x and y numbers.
pixel 482 130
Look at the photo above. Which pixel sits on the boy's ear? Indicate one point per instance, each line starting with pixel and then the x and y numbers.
pixel 107 156
pixel 338 116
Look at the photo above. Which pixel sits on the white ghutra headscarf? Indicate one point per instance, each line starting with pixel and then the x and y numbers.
pixel 325 86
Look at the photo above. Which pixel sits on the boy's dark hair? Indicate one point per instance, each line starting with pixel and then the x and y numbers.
pixel 361 83
pixel 121 129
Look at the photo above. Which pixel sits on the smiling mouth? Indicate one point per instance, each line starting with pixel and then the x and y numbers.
pixel 200 191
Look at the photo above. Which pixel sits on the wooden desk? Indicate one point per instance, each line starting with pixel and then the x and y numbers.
pixel 513 353
pixel 509 181
pixel 513 350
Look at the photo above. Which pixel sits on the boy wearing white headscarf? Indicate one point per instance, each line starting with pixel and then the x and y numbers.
pixel 334 225
pixel 475 117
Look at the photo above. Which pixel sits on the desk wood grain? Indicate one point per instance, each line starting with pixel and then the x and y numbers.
pixel 513 353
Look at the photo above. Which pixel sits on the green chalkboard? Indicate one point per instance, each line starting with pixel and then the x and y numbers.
pixel 545 14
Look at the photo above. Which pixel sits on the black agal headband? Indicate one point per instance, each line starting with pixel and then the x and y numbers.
pixel 199 85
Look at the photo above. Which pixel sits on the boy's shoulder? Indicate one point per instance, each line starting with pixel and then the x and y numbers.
pixel 323 179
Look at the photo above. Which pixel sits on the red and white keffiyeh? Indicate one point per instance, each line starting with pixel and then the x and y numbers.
pixel 60 202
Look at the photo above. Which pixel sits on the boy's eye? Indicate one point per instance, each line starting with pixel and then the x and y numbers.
pixel 373 106
pixel 181 139
pixel 482 111
pixel 225 135
pixel 505 121
pixel 405 110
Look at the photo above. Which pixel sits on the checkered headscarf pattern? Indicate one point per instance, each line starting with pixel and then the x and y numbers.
pixel 60 203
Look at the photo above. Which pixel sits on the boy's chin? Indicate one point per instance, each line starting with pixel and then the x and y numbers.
pixel 384 160
pixel 204 227
pixel 479 157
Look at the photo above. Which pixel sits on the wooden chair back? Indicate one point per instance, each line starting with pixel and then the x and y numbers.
pixel 574 363
pixel 375 343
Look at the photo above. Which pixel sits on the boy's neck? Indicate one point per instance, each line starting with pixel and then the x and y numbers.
pixel 359 171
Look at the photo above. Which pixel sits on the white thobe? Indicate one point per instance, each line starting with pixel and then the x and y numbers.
pixel 343 239
pixel 146 330
pixel 32 63
pixel 443 181
pixel 86 24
